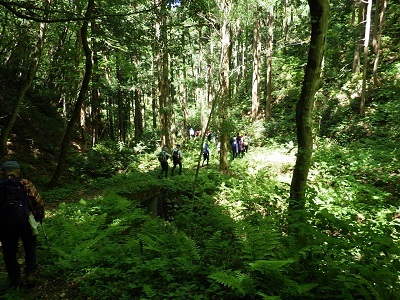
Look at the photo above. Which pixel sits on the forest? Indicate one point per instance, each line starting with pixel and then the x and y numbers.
pixel 92 90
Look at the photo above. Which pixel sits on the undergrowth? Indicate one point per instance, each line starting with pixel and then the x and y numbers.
pixel 234 240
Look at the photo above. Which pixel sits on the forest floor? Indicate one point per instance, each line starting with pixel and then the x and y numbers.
pixel 278 161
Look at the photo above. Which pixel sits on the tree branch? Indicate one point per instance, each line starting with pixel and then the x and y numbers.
pixel 32 15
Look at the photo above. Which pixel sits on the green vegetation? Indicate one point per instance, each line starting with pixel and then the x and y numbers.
pixel 232 241
pixel 113 230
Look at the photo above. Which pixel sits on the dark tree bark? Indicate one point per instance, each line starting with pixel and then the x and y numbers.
pixel 304 111
pixel 81 97
pixel 120 105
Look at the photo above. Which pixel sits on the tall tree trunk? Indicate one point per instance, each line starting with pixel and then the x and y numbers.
pixel 225 88
pixel 270 44
pixel 381 6
pixel 210 74
pixel 358 35
pixel 184 87
pixel 162 71
pixel 154 105
pixel 138 117
pixel 319 10
pixel 121 113
pixel 82 125
pixel 26 83
pixel 171 116
pixel 81 97
pixel 200 88
pixel 110 117
pixel 285 24
pixel 255 89
pixel 365 58
pixel 96 99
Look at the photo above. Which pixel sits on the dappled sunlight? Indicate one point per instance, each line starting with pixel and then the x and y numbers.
pixel 279 160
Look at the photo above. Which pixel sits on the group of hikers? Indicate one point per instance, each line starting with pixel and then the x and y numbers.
pixel 239 146
pixel 22 208
pixel 163 158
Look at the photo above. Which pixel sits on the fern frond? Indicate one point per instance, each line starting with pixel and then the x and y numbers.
pixel 266 266
pixel 266 297
pixel 237 281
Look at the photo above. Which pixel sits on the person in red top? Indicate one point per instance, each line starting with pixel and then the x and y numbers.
pixel 10 235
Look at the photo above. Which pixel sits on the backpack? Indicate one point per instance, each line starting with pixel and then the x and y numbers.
pixel 14 203
pixel 175 154
pixel 162 157
pixel 234 145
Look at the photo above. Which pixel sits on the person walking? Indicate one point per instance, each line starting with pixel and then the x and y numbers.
pixel 234 148
pixel 246 143
pixel 206 154
pixel 21 209
pixel 177 159
pixel 163 157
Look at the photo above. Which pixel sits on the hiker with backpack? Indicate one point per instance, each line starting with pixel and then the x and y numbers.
pixel 177 159
pixel 246 143
pixel 163 157
pixel 206 154
pixel 234 148
pixel 21 209
pixel 240 147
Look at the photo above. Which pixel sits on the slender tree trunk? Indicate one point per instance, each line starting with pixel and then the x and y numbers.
pixel 200 88
pixel 358 34
pixel 154 106
pixel 82 123
pixel 255 91
pixel 81 97
pixel 269 49
pixel 24 86
pixel 184 88
pixel 381 6
pixel 121 119
pixel 210 74
pixel 365 58
pixel 225 88
pixel 319 10
pixel 171 103
pixel 285 24
pixel 162 71
pixel 138 117
pixel 110 117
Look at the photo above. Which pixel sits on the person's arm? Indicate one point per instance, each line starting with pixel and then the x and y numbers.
pixel 36 200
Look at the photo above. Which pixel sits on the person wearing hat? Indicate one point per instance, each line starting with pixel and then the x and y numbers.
pixel 10 234
pixel 163 157
pixel 177 159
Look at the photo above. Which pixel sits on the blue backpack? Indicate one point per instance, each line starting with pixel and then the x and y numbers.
pixel 15 205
